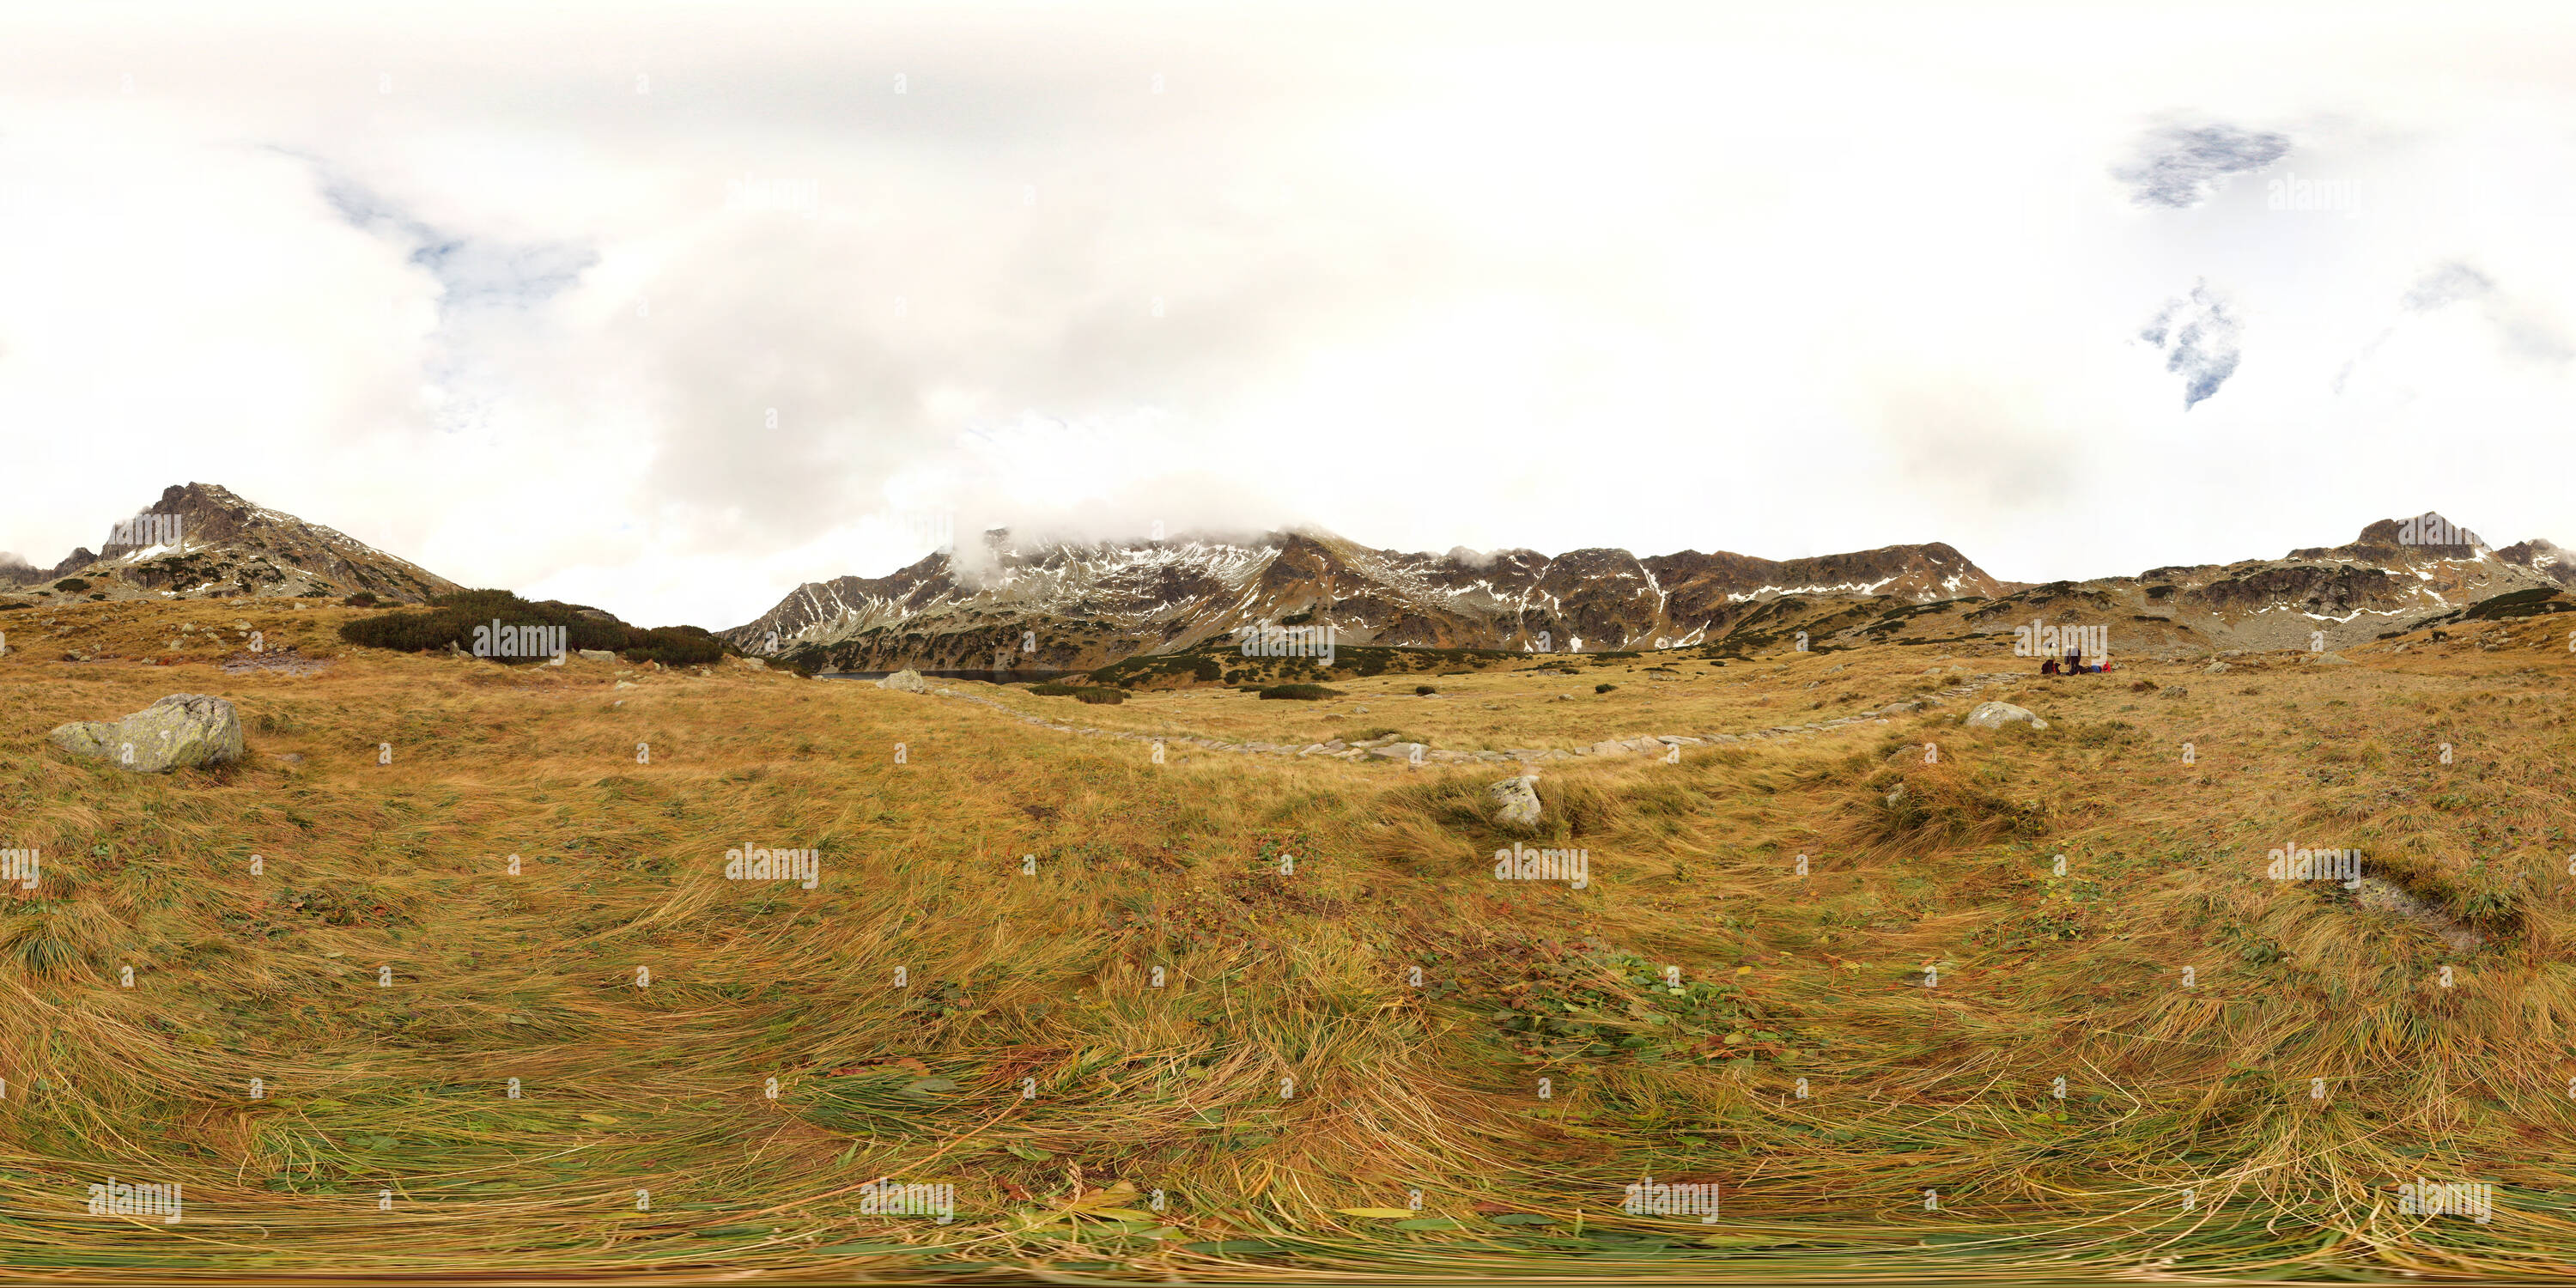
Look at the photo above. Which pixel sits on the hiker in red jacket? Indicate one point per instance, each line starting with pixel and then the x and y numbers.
pixel 2048 667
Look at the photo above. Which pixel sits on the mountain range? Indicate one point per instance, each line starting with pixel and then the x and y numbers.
pixel 1078 606
pixel 1086 605
pixel 203 542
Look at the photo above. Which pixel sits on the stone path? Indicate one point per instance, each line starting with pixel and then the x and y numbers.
pixel 1388 749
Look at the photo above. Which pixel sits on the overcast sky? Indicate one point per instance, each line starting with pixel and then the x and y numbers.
pixel 670 308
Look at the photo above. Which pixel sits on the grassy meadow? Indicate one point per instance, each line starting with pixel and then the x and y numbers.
pixel 1060 978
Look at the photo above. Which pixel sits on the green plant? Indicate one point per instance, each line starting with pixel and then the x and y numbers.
pixel 1300 692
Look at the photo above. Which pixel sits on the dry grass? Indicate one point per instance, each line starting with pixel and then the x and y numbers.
pixel 1275 973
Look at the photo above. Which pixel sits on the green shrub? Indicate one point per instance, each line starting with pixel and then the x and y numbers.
pixel 1300 692
pixel 452 619
pixel 1603 688
pixel 1424 690
pixel 363 599
pixel 72 584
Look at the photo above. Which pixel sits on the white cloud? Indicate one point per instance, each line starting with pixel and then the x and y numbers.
pixel 1494 276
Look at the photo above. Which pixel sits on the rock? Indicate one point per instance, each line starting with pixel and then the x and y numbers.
pixel 596 655
pixel 1900 708
pixel 1565 697
pixel 625 684
pixel 2175 692
pixel 1995 715
pixel 1397 750
pixel 1361 711
pixel 2328 659
pixel 1516 801
pixel 2213 668
pixel 1606 748
pixel 906 680
pixel 184 729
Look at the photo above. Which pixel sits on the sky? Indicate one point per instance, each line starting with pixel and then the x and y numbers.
pixel 671 308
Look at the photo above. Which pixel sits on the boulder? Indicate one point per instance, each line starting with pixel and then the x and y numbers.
pixel 1516 801
pixel 1606 748
pixel 1397 750
pixel 1995 715
pixel 906 680
pixel 751 664
pixel 2328 659
pixel 596 655
pixel 2213 668
pixel 2175 692
pixel 184 729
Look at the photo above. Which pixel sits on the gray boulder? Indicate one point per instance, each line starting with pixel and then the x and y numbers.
pixel 184 729
pixel 906 680
pixel 1516 801
pixel 2213 668
pixel 1995 715
pixel 596 655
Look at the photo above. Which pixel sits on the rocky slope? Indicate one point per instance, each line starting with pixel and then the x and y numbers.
pixel 202 541
pixel 1087 606
pixel 2376 585
pixel 1083 607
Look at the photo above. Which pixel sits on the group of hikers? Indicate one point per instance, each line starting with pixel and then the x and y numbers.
pixel 2074 665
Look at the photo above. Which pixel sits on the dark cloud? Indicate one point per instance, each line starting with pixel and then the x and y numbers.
pixel 2199 339
pixel 2180 167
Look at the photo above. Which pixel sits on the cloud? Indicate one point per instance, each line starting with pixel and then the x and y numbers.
pixel 2178 167
pixel 2520 330
pixel 2199 339
pixel 2448 284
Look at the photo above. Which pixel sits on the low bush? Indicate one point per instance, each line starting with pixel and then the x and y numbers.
pixel 451 619
pixel 1300 692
